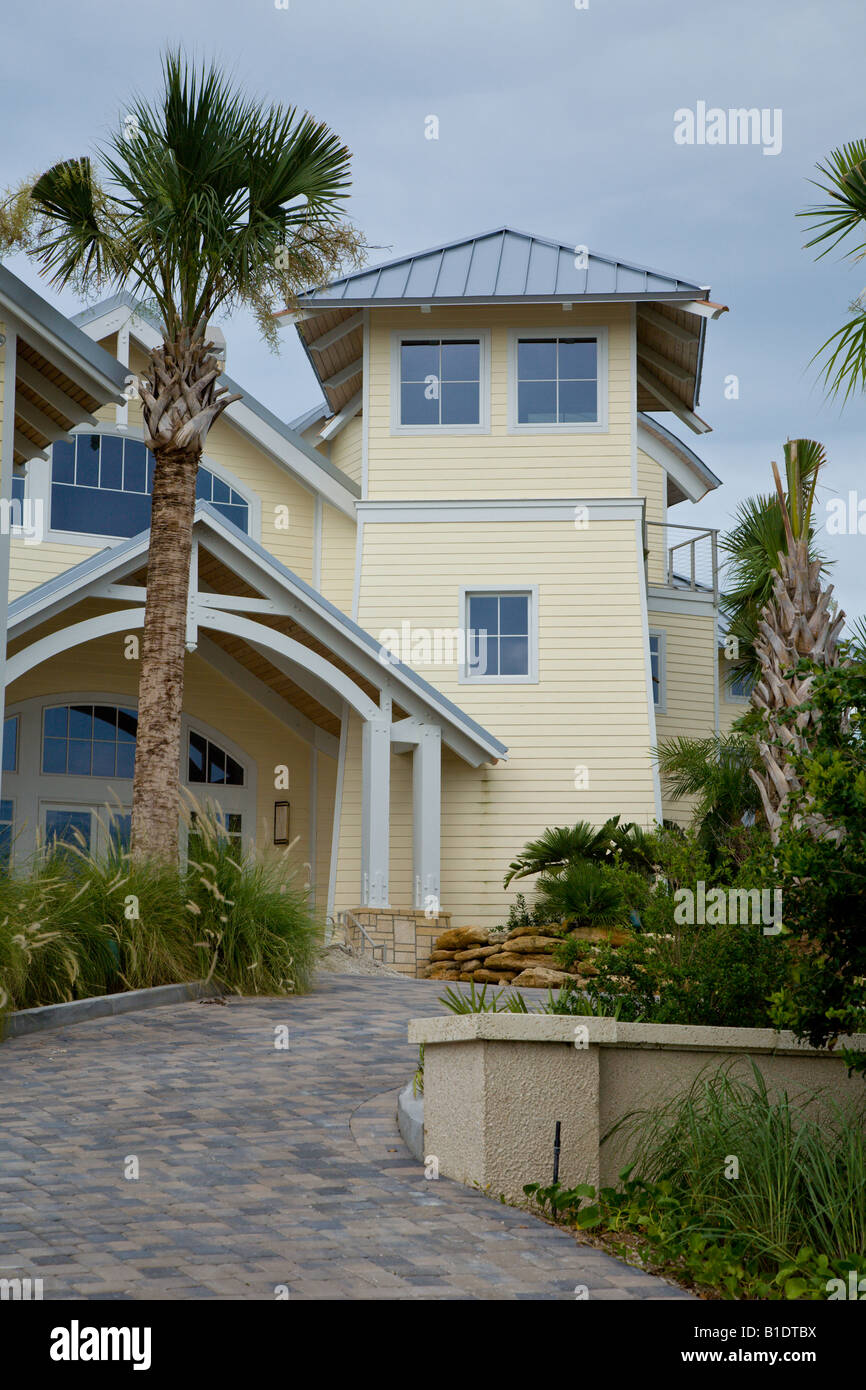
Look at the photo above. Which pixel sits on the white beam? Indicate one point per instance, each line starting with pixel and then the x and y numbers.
pixel 672 402
pixel 426 811
pixel 268 699
pixel 334 335
pixel 25 446
pixel 375 811
pixel 664 364
pixel 342 418
pixel 54 395
pixel 32 415
pixel 345 373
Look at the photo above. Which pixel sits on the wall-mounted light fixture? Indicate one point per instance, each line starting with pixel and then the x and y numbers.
pixel 281 822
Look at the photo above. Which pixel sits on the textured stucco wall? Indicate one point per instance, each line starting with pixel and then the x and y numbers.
pixel 495 1085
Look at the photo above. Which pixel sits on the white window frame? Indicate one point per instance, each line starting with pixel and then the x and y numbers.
pixel 730 697
pixel 597 426
pixel 487 590
pixel 661 706
pixel 38 487
pixel 421 335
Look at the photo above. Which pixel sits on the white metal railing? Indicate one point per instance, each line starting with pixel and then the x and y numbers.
pixel 682 557
pixel 358 939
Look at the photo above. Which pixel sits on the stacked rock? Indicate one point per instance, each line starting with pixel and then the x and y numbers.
pixel 523 957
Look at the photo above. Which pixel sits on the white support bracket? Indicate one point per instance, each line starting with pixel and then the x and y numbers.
pixel 426 818
pixel 375 811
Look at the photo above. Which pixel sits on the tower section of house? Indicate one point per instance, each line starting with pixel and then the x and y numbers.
pixel 513 542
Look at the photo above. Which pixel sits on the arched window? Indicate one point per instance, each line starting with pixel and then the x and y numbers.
pixel 99 741
pixel 101 485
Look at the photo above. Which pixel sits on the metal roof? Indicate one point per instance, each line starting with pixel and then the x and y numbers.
pixel 502 265
pixel 23 300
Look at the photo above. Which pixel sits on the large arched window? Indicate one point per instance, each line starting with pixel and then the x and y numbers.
pixel 99 741
pixel 101 485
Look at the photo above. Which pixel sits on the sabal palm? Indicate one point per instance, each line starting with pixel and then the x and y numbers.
pixel 212 202
pixel 798 623
pixel 752 548
pixel 563 845
pixel 844 183
pixel 715 771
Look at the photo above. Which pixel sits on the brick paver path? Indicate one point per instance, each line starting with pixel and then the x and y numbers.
pixel 258 1167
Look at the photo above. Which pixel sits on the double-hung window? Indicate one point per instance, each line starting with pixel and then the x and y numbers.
pixel 439 384
pixel 558 382
pixel 500 629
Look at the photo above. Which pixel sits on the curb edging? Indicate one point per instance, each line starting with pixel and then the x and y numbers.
pixel 46 1016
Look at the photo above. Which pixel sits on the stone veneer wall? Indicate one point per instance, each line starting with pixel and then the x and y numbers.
pixel 407 935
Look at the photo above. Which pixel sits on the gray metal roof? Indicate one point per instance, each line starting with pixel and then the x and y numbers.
pixel 30 305
pixel 502 265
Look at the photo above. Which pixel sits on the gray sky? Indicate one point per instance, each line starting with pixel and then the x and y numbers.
pixel 555 120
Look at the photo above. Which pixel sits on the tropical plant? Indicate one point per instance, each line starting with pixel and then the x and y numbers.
pixel 715 770
pixel 627 844
pixel 584 894
pixel 213 202
pixel 844 184
pixel 797 625
pixel 751 549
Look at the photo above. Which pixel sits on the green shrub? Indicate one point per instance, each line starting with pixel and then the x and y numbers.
pixel 584 895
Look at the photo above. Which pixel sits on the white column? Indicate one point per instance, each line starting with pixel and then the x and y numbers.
pixel 7 440
pixel 375 811
pixel 426 803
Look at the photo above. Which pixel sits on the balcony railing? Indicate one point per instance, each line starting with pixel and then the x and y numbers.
pixel 682 557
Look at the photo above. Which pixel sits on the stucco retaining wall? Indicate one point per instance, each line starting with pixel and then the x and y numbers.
pixel 495 1085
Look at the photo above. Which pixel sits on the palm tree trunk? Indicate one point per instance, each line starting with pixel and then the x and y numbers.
pixel 180 401
pixel 156 791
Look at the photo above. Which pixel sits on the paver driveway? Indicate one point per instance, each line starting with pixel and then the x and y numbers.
pixel 258 1167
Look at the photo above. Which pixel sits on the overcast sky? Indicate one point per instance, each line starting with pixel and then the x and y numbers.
pixel 553 119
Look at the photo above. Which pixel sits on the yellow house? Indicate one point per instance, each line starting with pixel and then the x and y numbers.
pixel 432 617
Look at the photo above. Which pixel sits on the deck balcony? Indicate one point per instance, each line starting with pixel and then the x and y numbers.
pixel 684 558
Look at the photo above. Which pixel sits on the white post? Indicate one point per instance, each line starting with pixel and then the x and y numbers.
pixel 375 811
pixel 8 359
pixel 426 802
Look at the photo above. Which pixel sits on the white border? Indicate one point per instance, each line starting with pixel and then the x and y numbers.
pixel 597 426
pixel 420 335
pixel 661 707
pixel 465 677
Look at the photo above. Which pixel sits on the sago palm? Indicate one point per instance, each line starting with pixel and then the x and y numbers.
pixel 844 183
pixel 798 623
pixel 212 202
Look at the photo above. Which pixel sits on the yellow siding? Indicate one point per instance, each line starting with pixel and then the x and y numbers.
pixel 499 464
pixel 652 485
pixel 589 708
pixel 690 664
pixel 338 557
pixel 346 449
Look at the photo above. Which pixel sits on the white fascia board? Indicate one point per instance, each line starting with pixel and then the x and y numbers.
pixel 240 415
pixel 673 464
pixel 46 605
pixel 693 601
pixel 517 509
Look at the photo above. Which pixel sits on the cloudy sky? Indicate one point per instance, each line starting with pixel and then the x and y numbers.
pixel 553 119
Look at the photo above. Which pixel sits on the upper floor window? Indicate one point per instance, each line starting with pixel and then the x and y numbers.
pixel 500 628
pixel 211 764
pixel 742 686
pixel 558 382
pixel 657 665
pixel 101 485
pixel 439 384
pixel 99 741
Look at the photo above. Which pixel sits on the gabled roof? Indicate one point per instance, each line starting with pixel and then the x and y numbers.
pixel 502 265
pixel 304 604
pixel 285 444
pixel 688 476
pixel 61 377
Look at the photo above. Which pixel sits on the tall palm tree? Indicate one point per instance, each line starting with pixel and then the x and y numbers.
pixel 213 202
pixel 752 548
pixel 844 183
pixel 796 623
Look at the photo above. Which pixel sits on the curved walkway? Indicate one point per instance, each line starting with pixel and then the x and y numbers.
pixel 262 1171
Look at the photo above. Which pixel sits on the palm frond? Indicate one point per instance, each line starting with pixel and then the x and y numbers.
pixel 844 174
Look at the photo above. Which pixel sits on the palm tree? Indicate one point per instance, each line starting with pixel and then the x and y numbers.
pixel 797 624
pixel 844 175
pixel 563 845
pixel 214 202
pixel 752 549
pixel 716 771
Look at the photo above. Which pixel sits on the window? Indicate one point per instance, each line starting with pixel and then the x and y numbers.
pixel 19 486
pixel 500 636
pixel 101 485
pixel 659 674
pixel 229 824
pixel 10 744
pixel 212 765
pixel 7 819
pixel 742 686
pixel 558 382
pixel 439 384
pixel 89 740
